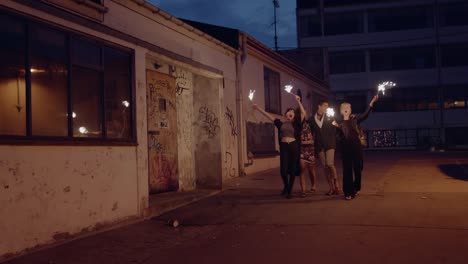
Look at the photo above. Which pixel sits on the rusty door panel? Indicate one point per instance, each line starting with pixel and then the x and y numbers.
pixel 162 132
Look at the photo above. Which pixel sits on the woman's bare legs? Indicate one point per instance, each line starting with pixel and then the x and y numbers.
pixel 303 172
pixel 311 169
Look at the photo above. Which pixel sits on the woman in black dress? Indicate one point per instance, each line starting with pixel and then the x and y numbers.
pixel 289 131
pixel 352 148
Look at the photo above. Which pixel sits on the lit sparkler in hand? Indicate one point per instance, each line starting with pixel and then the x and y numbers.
pixel 288 88
pixel 330 112
pixel 251 95
pixel 385 85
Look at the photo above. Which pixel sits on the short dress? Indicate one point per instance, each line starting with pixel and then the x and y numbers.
pixel 307 144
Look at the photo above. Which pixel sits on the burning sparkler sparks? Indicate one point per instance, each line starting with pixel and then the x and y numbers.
pixel 251 95
pixel 288 88
pixel 385 85
pixel 330 112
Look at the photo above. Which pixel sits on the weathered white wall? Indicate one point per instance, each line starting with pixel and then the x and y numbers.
pixel 50 193
pixel 231 131
pixel 207 132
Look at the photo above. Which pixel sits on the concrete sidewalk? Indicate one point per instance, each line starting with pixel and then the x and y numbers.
pixel 414 210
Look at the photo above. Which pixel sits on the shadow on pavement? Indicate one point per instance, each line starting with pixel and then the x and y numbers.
pixel 456 171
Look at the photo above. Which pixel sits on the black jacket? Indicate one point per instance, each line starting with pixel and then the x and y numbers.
pixel 350 128
pixel 325 137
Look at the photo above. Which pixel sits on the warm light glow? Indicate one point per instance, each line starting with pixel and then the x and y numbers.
pixel 125 103
pixel 251 95
pixel 74 115
pixel 83 130
pixel 330 112
pixel 288 88
pixel 385 85
pixel 36 70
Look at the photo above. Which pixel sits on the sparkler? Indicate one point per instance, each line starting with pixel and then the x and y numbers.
pixel 83 130
pixel 385 85
pixel 288 88
pixel 251 95
pixel 330 112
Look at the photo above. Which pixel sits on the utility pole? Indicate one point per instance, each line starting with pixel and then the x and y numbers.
pixel 440 86
pixel 275 6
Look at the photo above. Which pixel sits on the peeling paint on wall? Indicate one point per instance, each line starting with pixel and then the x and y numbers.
pixel 51 197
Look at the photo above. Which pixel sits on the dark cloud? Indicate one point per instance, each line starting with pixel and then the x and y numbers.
pixel 253 17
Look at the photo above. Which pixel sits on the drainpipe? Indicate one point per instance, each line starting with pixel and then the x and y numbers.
pixel 240 60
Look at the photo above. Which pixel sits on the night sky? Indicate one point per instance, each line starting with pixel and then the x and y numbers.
pixel 251 16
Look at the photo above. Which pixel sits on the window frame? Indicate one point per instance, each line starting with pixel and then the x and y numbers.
pixel 29 138
pixel 267 92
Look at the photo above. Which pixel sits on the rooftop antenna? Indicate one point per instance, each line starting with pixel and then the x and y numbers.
pixel 275 5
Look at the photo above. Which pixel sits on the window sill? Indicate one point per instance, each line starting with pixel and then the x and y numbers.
pixel 52 141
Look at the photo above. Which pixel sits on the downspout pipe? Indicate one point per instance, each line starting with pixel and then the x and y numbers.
pixel 241 142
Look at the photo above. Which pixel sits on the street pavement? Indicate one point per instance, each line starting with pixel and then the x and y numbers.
pixel 413 209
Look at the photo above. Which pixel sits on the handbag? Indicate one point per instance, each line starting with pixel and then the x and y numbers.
pixel 362 136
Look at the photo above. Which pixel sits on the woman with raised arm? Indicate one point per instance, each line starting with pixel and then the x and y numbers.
pixel 352 148
pixel 289 132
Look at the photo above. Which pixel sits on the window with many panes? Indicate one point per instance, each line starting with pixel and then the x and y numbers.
pixel 60 85
pixel 310 26
pixel 454 55
pixel 454 14
pixel 272 90
pixel 402 58
pixel 408 99
pixel 456 96
pixel 344 23
pixel 347 62
pixel 402 18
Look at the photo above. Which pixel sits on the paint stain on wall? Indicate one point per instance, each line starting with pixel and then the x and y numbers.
pixel 67 189
pixel 115 206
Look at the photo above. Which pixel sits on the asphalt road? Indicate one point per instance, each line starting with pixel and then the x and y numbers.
pixel 413 209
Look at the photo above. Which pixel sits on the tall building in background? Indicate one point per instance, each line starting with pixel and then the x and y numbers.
pixel 422 45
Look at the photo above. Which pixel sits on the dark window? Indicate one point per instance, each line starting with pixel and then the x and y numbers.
pixel 402 18
pixel 310 26
pixel 73 86
pixel 49 77
pixel 118 97
pixel 347 62
pixel 12 77
pixel 344 23
pixel 272 91
pixel 307 3
pixel 408 99
pixel 456 136
pixel 454 14
pixel 86 53
pixel 402 58
pixel 357 99
pixel 454 55
pixel 87 112
pixel 456 96
pixel 333 3
pixel 261 138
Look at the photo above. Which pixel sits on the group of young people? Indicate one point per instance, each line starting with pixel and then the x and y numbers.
pixel 302 140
